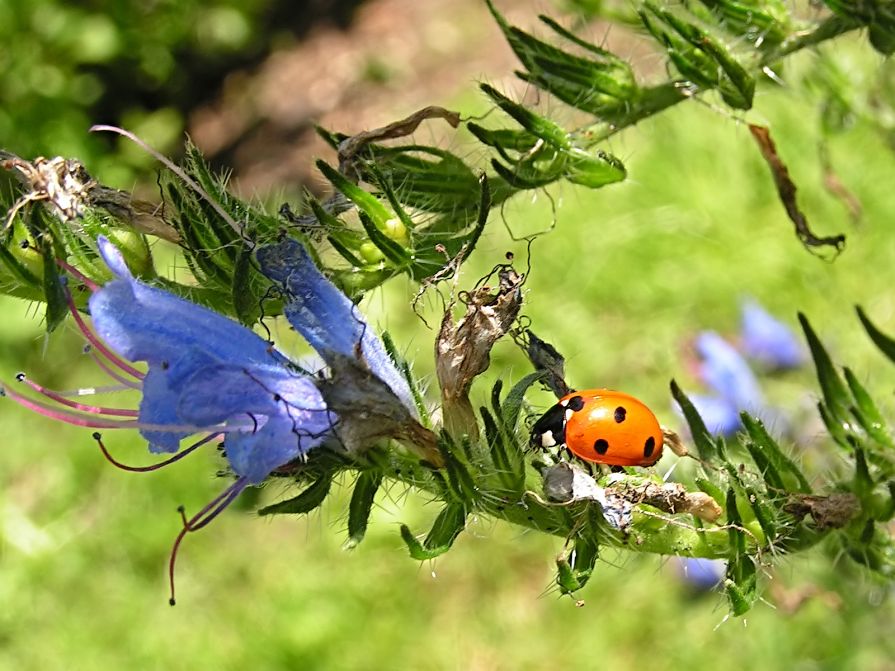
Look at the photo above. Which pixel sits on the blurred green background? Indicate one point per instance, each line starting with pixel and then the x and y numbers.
pixel 627 277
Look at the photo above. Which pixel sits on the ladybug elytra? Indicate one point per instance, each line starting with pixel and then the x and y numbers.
pixel 601 426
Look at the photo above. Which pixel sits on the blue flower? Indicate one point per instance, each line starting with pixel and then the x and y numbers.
pixel 768 340
pixel 727 373
pixel 702 574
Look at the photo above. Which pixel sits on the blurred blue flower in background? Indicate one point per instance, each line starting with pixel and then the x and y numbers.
pixel 768 340
pixel 725 371
pixel 702 575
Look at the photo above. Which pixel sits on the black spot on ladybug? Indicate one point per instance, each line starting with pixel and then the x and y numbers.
pixel 649 446
pixel 575 403
pixel 601 445
pixel 619 415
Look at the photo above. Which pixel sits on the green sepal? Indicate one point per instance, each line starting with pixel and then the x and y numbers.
pixel 54 291
pixel 245 294
pixel 741 582
pixel 593 170
pixel 574 570
pixel 535 124
pixel 512 404
pixel 361 504
pixel 461 485
pixel 510 469
pixel 309 499
pixel 705 446
pixel 392 250
pixel 784 473
pixel 866 412
pixel 764 21
pixel 507 139
pixel 366 202
pixel 442 184
pixel 404 366
pixel 447 526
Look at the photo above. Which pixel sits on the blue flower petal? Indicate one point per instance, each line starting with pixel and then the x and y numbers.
pixel 223 391
pixel 159 406
pixel 727 373
pixel 326 317
pixel 769 340
pixel 277 442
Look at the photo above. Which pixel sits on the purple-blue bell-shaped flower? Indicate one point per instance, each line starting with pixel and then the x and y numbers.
pixel 768 340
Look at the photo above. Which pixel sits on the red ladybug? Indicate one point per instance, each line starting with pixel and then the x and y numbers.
pixel 601 426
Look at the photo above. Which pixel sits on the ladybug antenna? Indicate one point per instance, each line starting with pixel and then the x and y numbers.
pixel 199 520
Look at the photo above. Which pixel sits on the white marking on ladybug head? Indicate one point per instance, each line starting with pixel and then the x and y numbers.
pixel 547 439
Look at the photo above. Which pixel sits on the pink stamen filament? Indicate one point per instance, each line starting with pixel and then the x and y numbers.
pixel 111 372
pixel 153 467
pixel 77 274
pixel 201 519
pixel 60 398
pixel 92 421
pixel 99 344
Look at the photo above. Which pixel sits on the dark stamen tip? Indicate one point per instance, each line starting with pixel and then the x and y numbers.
pixel 97 435
pixel 181 508
pixel 20 377
pixel 172 601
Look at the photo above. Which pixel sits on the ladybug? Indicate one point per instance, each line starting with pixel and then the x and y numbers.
pixel 601 426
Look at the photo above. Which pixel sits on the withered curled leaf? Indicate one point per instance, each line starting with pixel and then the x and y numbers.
pixel 463 349
pixel 786 189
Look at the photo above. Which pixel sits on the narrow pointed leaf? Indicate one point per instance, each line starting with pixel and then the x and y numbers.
pixel 533 123
pixel 880 339
pixel 360 506
pixel 701 436
pixel 448 525
pixel 309 499
pixel 835 392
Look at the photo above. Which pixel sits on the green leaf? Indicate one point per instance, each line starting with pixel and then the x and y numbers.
pixel 880 339
pixel 309 499
pixel 705 447
pixel 360 506
pixel 448 525
pixel 835 393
